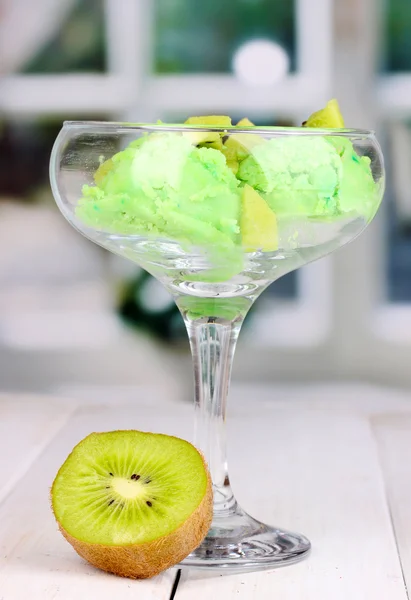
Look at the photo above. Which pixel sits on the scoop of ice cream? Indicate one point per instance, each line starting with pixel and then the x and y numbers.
pixel 311 176
pixel 297 175
pixel 357 190
pixel 164 185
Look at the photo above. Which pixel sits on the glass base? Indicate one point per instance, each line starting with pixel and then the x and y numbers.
pixel 240 543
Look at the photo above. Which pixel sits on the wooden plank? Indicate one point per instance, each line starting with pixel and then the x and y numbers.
pixel 364 399
pixel 315 471
pixel 393 434
pixel 27 424
pixel 34 558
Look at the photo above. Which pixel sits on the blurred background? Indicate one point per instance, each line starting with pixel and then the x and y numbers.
pixel 74 318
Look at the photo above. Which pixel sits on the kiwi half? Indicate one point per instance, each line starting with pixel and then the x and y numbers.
pixel 133 503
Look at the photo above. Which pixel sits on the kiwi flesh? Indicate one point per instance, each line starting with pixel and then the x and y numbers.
pixel 133 503
pixel 207 139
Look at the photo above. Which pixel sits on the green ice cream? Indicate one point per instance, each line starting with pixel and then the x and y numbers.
pixel 357 190
pixel 311 176
pixel 297 175
pixel 164 185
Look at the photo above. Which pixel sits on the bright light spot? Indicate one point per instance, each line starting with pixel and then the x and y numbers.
pixel 154 297
pixel 260 63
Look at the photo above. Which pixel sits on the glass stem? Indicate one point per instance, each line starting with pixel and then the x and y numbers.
pixel 213 343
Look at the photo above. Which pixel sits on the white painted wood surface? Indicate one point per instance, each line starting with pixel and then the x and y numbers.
pixel 27 424
pixel 315 471
pixel 393 433
pixel 323 460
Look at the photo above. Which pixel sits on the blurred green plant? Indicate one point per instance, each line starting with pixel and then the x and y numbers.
pixel 397 34
pixel 203 36
pixel 146 305
pixel 78 46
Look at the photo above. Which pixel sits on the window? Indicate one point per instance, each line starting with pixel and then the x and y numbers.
pixel 392 316
pixel 396 56
pixel 63 37
pixel 202 37
pixel 398 210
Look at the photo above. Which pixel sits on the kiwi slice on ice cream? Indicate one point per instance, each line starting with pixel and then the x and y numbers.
pixel 329 117
pixel 238 146
pixel 209 139
pixel 133 503
pixel 258 223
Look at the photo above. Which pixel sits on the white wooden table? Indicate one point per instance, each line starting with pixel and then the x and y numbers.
pixel 330 461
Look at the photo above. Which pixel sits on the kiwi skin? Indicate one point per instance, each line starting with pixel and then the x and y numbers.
pixel 142 561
